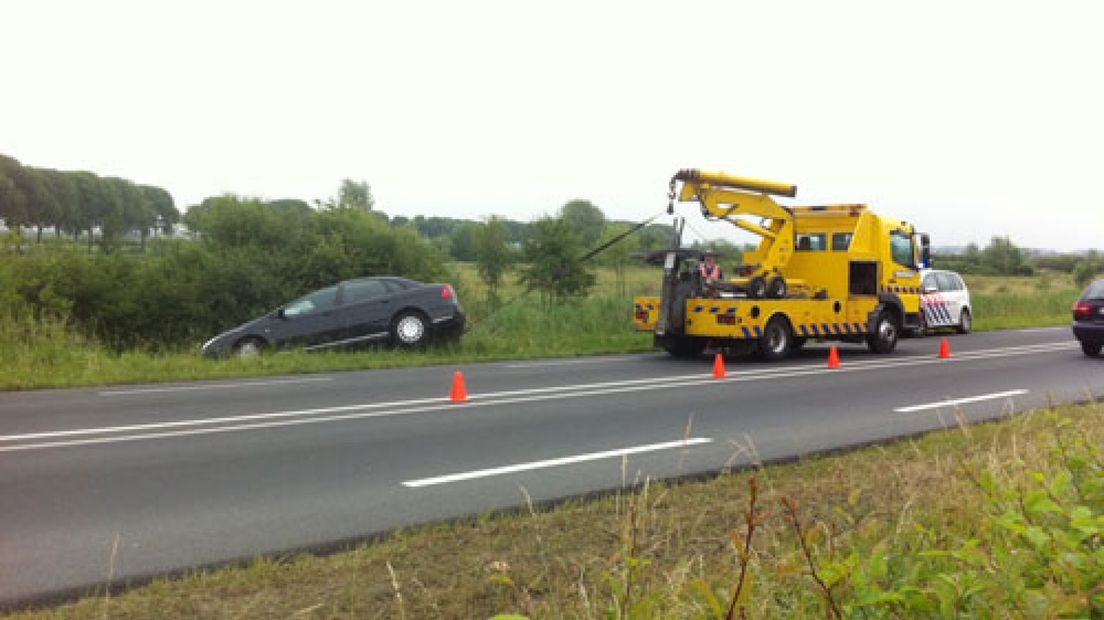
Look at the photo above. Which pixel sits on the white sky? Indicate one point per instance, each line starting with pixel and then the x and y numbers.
pixel 968 118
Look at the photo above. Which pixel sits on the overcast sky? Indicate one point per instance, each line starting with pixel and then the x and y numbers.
pixel 970 119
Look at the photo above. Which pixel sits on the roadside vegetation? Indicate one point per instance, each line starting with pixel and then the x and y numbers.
pixel 98 307
pixel 1000 520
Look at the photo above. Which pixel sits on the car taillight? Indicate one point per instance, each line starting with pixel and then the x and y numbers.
pixel 1082 309
pixel 447 292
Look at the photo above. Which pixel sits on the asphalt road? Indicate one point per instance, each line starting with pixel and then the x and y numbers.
pixel 138 481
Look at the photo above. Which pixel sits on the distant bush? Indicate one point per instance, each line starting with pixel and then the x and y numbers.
pixel 250 257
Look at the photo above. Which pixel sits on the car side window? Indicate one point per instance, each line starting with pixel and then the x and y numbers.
pixel 946 282
pixel 317 301
pixel 364 290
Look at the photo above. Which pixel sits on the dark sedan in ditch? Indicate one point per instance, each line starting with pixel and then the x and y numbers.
pixel 354 312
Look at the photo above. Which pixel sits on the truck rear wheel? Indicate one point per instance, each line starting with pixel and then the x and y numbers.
pixel 757 287
pixel 776 288
pixel 886 330
pixel 685 347
pixel 777 340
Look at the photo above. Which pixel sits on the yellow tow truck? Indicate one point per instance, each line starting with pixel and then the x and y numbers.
pixel 831 272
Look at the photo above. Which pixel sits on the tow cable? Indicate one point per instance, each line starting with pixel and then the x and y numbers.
pixel 586 257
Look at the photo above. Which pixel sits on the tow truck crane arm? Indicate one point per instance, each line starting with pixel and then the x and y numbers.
pixel 726 197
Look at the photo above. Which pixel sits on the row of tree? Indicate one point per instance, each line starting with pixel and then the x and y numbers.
pixel 79 202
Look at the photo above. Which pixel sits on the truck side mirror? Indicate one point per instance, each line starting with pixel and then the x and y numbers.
pixel 925 251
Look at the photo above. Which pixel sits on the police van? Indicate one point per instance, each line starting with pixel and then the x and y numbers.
pixel 944 302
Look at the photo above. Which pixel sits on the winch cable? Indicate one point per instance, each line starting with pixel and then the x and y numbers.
pixel 586 257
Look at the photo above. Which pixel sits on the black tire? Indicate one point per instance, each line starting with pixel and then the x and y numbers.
pixel 887 328
pixel 249 347
pixel 1092 349
pixel 685 347
pixel 409 329
pixel 798 343
pixel 756 287
pixel 965 322
pixel 922 329
pixel 776 288
pixel 777 340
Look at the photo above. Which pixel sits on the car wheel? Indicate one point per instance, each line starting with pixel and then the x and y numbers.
pixel 756 287
pixel 249 347
pixel 777 339
pixel 922 329
pixel 886 330
pixel 409 329
pixel 965 322
pixel 776 288
pixel 1092 349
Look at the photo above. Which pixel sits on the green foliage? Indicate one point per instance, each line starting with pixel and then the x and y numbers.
pixel 81 201
pixel 585 220
pixel 493 255
pixel 1086 271
pixel 554 267
pixel 1000 258
pixel 251 256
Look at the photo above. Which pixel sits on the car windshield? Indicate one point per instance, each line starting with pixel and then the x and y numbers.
pixel 1095 290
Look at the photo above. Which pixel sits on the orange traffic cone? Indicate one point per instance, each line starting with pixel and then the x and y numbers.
pixel 833 358
pixel 944 350
pixel 718 367
pixel 459 391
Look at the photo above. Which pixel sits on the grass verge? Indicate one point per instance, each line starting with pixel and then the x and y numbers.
pixel 997 520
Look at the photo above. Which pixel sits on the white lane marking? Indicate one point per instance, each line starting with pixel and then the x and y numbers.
pixel 567 460
pixel 1036 330
pixel 524 396
pixel 211 386
pixel 599 360
pixel 960 401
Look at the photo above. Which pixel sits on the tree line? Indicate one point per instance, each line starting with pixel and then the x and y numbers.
pixel 81 202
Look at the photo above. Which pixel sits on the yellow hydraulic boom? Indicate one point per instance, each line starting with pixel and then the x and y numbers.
pixel 721 197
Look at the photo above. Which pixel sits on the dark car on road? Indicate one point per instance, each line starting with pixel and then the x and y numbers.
pixel 1088 319
pixel 366 310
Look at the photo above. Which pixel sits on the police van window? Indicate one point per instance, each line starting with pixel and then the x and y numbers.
pixel 900 248
pixel 929 283
pixel 841 241
pixel 946 282
pixel 816 242
pixel 959 284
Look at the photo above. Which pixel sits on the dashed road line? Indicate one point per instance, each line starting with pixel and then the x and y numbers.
pixel 566 460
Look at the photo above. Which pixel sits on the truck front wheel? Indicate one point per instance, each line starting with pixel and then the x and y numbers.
pixel 886 329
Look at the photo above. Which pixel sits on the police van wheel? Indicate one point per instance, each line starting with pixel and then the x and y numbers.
pixel 777 340
pixel 965 322
pixel 776 288
pixel 886 330
pixel 756 287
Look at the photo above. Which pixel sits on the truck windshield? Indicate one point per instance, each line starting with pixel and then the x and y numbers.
pixel 900 248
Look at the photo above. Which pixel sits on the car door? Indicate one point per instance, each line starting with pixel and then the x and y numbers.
pixel 365 310
pixel 308 321
pixel 930 301
pixel 952 296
